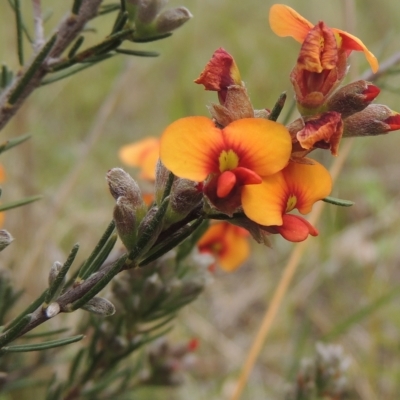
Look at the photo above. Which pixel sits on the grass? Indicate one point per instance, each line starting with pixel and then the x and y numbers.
pixel 346 287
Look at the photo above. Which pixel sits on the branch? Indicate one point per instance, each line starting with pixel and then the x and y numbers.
pixel 67 31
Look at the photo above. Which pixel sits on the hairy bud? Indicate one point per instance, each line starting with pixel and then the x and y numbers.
pixel 99 306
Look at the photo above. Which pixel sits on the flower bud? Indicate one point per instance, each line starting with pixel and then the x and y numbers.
pixel 185 196
pixel 162 175
pixel 99 306
pixel 352 98
pixel 220 73
pixel 5 239
pixel 54 270
pixel 319 70
pixel 121 183
pixel 375 119
pixel 126 222
pixel 130 208
pixel 172 19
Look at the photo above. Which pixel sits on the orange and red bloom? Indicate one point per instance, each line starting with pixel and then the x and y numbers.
pixel 227 243
pixel 228 159
pixel 322 62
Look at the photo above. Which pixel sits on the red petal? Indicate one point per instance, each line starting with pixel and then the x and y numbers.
pixel 295 228
pixel 246 176
pixel 226 182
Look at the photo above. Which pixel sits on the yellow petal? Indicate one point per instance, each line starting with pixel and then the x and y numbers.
pixel 190 148
pixel 285 21
pixel 350 42
pixel 263 146
pixel 308 183
pixel 266 203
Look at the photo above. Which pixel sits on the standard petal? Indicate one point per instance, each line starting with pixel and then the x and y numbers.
pixel 265 203
pixel 285 21
pixel 262 146
pixel 190 148
pixel 308 183
pixel 350 42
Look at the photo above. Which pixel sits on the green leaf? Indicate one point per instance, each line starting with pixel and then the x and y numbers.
pixel 278 107
pixel 138 53
pixel 338 202
pixel 86 268
pixel 51 344
pixel 59 280
pixel 30 72
pixel 7 145
pixel 114 270
pixel 19 203
pixel 10 334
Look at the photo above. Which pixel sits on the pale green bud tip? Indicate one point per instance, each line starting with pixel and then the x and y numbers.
pixel 5 239
pixel 100 306
pixel 172 19
pixel 54 270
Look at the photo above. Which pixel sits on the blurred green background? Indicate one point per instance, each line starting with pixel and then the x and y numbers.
pixel 347 289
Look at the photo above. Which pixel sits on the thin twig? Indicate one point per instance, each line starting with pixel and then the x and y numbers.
pixel 38 23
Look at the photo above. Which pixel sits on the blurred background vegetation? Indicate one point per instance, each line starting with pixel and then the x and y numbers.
pixel 347 289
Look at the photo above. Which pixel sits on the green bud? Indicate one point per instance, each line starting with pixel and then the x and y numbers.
pixel 185 196
pixel 54 270
pixel 172 19
pixel 130 208
pixel 126 222
pixel 162 175
pixel 99 306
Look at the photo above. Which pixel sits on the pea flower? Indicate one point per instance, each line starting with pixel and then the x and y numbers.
pixel 322 62
pixel 285 21
pixel 298 185
pixel 227 243
pixel 227 159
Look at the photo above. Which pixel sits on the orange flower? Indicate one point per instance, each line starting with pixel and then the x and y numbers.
pixel 228 243
pixel 142 154
pixel 285 21
pixel 236 156
pixel 296 186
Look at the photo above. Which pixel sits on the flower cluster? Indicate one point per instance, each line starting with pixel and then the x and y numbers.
pixel 250 170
